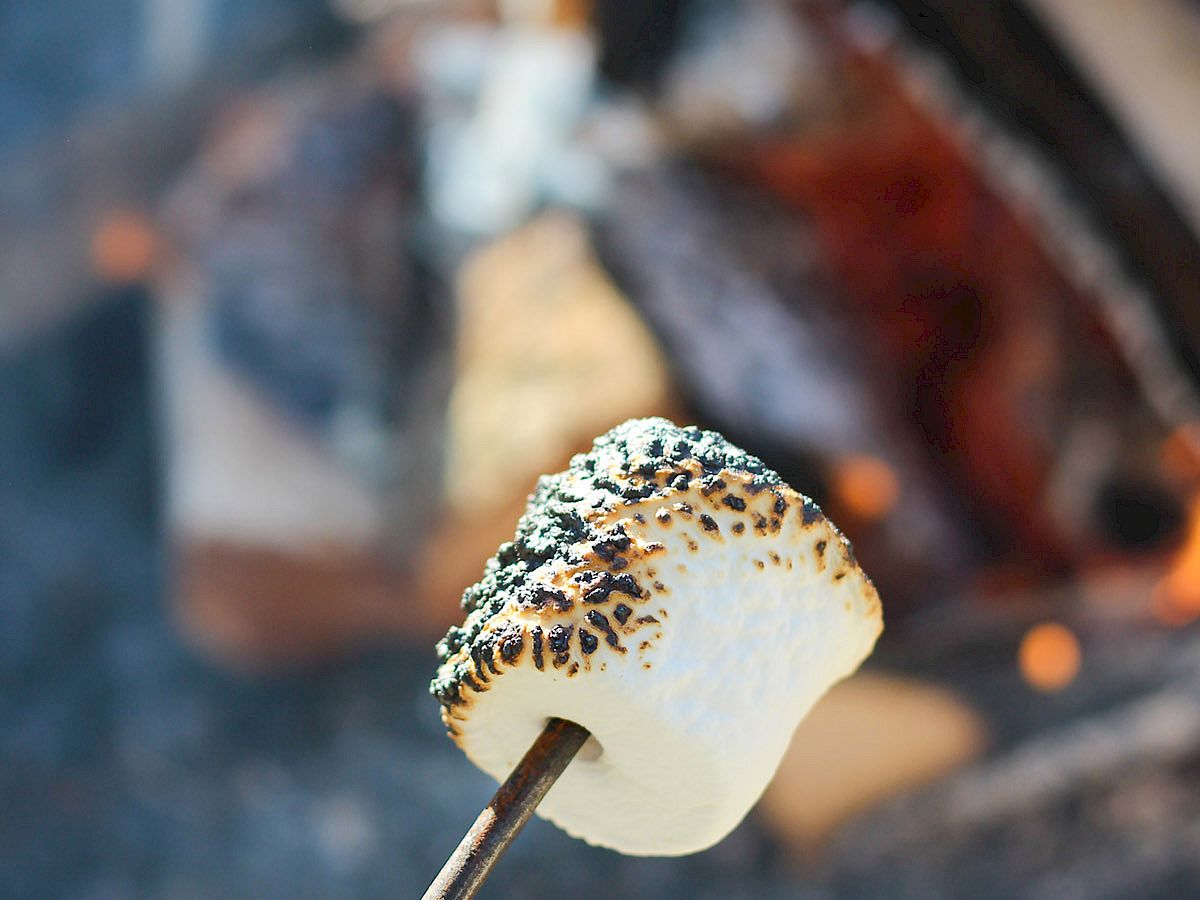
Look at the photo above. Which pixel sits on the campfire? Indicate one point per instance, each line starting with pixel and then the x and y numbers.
pixel 930 264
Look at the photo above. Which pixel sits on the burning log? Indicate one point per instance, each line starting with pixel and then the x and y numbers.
pixel 536 320
pixel 1004 359
pixel 1161 729
pixel 306 359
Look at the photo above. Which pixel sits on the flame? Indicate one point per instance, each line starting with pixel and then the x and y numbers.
pixel 1176 599
pixel 865 486
pixel 123 246
pixel 1049 656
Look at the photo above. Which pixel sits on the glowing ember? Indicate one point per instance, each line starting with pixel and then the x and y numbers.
pixel 123 246
pixel 866 487
pixel 1049 656
pixel 1177 597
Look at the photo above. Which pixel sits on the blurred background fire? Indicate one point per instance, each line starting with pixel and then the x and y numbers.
pixel 298 297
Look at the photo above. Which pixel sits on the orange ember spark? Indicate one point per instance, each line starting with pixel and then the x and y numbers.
pixel 123 246
pixel 1049 656
pixel 1177 597
pixel 865 487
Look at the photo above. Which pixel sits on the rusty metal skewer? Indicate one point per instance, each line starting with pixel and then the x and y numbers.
pixel 510 808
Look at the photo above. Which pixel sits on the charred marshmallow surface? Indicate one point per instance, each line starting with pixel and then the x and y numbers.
pixel 672 595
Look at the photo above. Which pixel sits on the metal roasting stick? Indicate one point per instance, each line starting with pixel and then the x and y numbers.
pixel 505 816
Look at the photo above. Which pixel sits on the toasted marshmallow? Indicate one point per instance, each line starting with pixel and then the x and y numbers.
pixel 672 595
